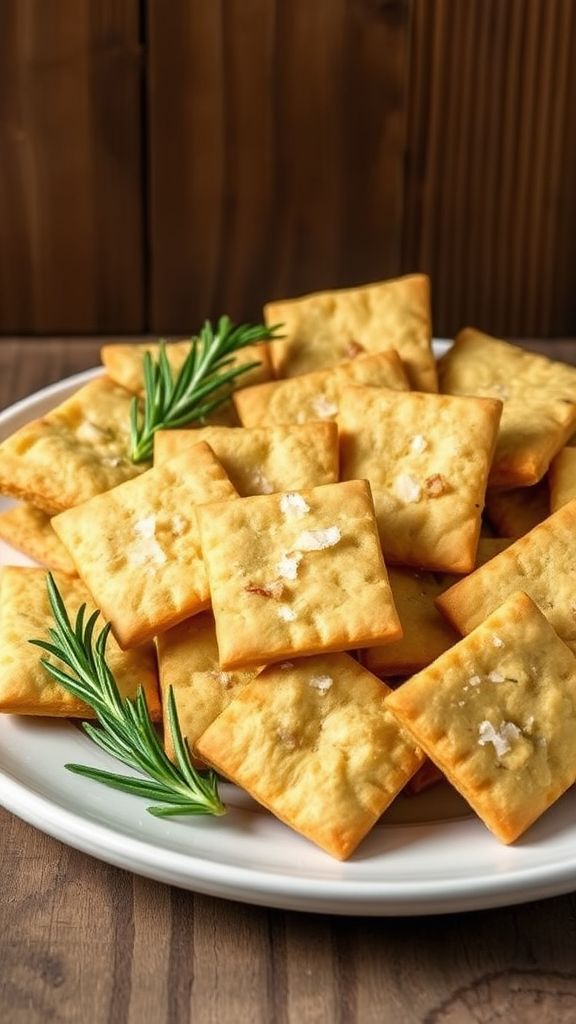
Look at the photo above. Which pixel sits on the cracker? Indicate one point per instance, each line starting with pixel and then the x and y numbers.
pixel 188 662
pixel 264 459
pixel 324 328
pixel 516 512
pixel 314 744
pixel 497 714
pixel 137 547
pixel 427 459
pixel 562 478
pixel 539 397
pixel 25 686
pixel 296 573
pixel 543 564
pixel 29 530
pixel 316 396
pixel 79 449
pixel 426 634
pixel 125 363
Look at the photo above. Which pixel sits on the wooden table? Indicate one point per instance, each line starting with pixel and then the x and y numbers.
pixel 84 942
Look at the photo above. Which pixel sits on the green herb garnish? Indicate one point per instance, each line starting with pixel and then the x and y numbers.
pixel 204 382
pixel 125 730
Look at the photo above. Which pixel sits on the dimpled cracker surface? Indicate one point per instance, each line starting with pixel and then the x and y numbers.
pixel 137 547
pixel 296 573
pixel 516 512
pixel 327 327
pixel 313 742
pixel 124 363
pixel 264 459
pixel 539 398
pixel 562 478
pixel 426 634
pixel 497 714
pixel 25 686
pixel 77 450
pixel 427 459
pixel 543 564
pixel 316 396
pixel 28 529
pixel 188 662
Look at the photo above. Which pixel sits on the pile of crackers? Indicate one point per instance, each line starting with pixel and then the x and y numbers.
pixel 322 534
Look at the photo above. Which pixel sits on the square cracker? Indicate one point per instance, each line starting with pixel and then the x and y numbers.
pixel 263 459
pixel 125 363
pixel 427 459
pixel 562 479
pixel 327 327
pixel 539 398
pixel 188 662
pixel 543 564
pixel 516 512
pixel 296 573
pixel 25 686
pixel 497 714
pixel 28 529
pixel 313 742
pixel 316 396
pixel 78 449
pixel 426 634
pixel 137 547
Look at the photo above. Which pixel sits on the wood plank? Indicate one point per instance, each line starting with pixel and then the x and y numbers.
pixel 276 150
pixel 71 197
pixel 490 211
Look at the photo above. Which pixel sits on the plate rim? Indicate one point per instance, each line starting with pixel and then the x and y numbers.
pixel 249 885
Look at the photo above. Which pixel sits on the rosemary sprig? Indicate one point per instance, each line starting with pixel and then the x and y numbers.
pixel 125 730
pixel 204 382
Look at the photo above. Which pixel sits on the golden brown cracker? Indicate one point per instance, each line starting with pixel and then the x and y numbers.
pixel 28 529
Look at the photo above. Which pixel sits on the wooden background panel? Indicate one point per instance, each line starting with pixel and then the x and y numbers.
pixel 71 203
pixel 276 145
pixel 490 207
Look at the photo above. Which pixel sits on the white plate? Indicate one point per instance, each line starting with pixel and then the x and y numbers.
pixel 429 868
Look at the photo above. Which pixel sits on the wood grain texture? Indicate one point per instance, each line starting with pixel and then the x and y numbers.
pixel 276 141
pixel 83 941
pixel 71 200
pixel 490 210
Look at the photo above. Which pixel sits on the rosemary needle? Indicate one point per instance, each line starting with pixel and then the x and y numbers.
pixel 204 382
pixel 125 730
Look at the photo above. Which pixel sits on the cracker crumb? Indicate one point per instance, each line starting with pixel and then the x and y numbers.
pixel 288 565
pixel 323 408
pixel 418 444
pixel 321 683
pixel 286 664
pixel 260 483
pixel 407 488
pixel 286 613
pixel 501 738
pixel 287 738
pixel 497 641
pixel 273 589
pixel 318 540
pixel 293 506
pixel 436 485
pixel 496 677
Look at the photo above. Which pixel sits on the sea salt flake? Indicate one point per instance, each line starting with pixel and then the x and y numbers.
pixel 146 527
pixel 91 432
pixel 318 540
pixel 145 549
pixel 407 488
pixel 177 524
pixel 501 739
pixel 323 408
pixel 260 483
pixel 497 641
pixel 321 683
pixel 418 444
pixel 224 678
pixel 293 506
pixel 474 681
pixel 288 565
pixel 286 613
pixel 111 460
pixel 496 677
